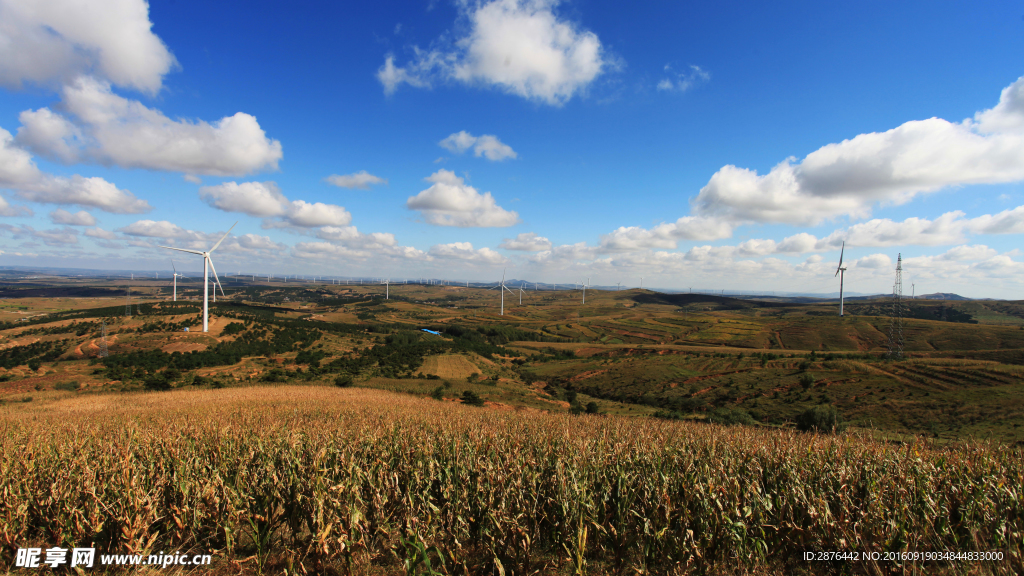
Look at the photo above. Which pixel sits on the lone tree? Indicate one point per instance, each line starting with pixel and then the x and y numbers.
pixel 821 419
pixel 472 398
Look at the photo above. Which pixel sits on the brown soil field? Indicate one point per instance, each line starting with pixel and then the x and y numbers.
pixel 184 347
pixel 449 366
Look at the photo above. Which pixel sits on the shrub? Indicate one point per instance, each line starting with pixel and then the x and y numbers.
pixel 438 393
pixel 821 419
pixel 343 381
pixel 275 375
pixel 472 398
pixel 34 364
pixel 806 381
pixel 731 417
pixel 68 386
pixel 157 382
pixel 592 408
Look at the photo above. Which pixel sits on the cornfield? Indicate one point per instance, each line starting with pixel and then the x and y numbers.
pixel 324 479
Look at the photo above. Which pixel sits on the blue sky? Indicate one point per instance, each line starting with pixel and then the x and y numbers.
pixel 716 145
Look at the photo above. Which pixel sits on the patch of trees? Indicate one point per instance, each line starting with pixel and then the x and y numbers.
pixel 254 343
pixel 32 354
pixel 943 313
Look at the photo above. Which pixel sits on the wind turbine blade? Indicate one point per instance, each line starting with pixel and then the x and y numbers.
pixel 840 258
pixel 223 237
pixel 181 250
pixel 172 266
pixel 503 276
pixel 210 260
pixel 509 291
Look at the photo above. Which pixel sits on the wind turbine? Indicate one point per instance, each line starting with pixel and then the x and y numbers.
pixel 521 294
pixel 387 288
pixel 585 290
pixel 503 289
pixel 176 280
pixel 207 266
pixel 839 272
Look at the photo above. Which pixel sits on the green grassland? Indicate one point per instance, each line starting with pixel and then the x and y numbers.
pixel 629 352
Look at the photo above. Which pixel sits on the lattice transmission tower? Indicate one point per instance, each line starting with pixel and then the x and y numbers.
pixel 103 343
pixel 896 314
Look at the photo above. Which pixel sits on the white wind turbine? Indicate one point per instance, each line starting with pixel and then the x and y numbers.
pixel 585 289
pixel 387 288
pixel 521 294
pixel 503 289
pixel 176 276
pixel 207 266
pixel 839 272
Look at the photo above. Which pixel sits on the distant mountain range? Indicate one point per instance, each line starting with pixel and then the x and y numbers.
pixel 8 271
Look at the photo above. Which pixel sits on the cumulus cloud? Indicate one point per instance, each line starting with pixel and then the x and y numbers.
pixel 54 41
pixel 54 237
pixel 19 173
pixel 100 233
pixel 674 81
pixel 451 202
pixel 13 211
pixel 527 242
pixel 487 145
pixel 362 180
pixel 154 229
pixel 265 200
pixel 631 238
pixel 250 244
pixel 330 251
pixel 566 253
pixel 850 177
pixel 465 252
pixel 352 237
pixel 80 218
pixel 100 126
pixel 518 46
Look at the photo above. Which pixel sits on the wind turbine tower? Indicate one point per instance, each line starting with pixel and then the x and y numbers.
pixel 207 267
pixel 839 272
pixel 502 289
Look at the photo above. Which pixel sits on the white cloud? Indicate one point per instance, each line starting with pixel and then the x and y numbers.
pixel 850 177
pixel 100 126
pixel 81 218
pixel 464 251
pixel 564 254
pixel 260 199
pixel 527 242
pixel 518 46
pixel 487 145
pixel 250 244
pixel 632 238
pixel 682 81
pixel 362 180
pixel 55 237
pixel 56 40
pixel 19 173
pixel 1006 222
pixel 350 236
pixel 154 229
pixel 9 211
pixel 329 251
pixel 265 200
pixel 873 261
pixel 311 214
pixel 450 202
pixel 100 233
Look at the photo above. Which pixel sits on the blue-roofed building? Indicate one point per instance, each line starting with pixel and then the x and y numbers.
pixel 431 331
